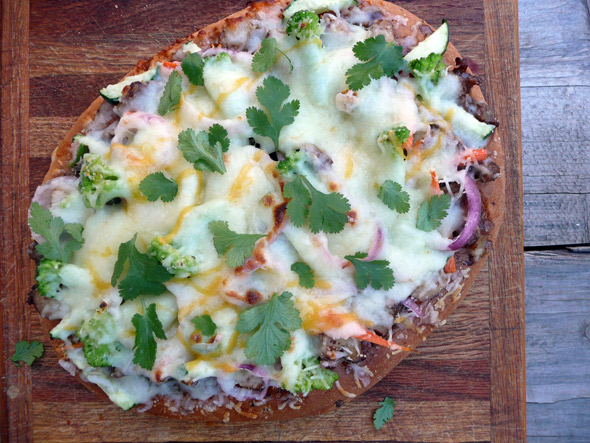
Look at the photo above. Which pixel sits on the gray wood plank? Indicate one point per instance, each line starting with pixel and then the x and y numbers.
pixel 556 219
pixel 554 37
pixel 557 285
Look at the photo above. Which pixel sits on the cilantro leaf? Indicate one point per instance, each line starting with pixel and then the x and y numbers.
pixel 306 277
pixel 384 413
pixel 144 276
pixel 27 352
pixel 431 66
pixel 198 151
pixel 272 95
pixel 392 195
pixel 82 149
pixel 218 134
pixel 432 212
pixel 52 228
pixel 156 186
pixel 146 326
pixel 376 272
pixel 236 247
pixel 380 58
pixel 171 95
pixel 192 66
pixel 272 321
pixel 204 324
pixel 267 55
pixel 327 212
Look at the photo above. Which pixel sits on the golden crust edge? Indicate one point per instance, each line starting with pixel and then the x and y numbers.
pixel 317 401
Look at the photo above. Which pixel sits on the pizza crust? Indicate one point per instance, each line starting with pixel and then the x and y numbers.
pixel 378 360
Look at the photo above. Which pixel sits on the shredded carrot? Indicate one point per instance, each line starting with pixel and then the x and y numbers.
pixel 474 155
pixel 451 266
pixel 374 338
pixel 434 186
pixel 171 65
pixel 77 345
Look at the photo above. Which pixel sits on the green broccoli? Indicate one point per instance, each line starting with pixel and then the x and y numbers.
pixel 181 265
pixel 393 139
pixel 304 25
pixel 430 67
pixel 292 163
pixel 98 337
pixel 99 184
pixel 48 277
pixel 313 376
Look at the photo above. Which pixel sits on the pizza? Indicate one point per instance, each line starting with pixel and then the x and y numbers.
pixel 262 220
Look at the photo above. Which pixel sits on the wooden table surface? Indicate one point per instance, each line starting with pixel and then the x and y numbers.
pixel 555 63
pixel 467 384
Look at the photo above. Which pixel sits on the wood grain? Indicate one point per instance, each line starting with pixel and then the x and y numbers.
pixel 15 270
pixel 77 47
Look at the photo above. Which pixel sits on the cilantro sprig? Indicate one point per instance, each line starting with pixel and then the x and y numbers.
pixel 392 195
pixel 171 94
pixel 326 212
pixel 236 247
pixel 56 246
pixel 271 323
pixel 271 96
pixel 376 272
pixel 205 324
pixel 27 352
pixel 205 150
pixel 145 274
pixel 157 185
pixel 305 273
pixel 384 413
pixel 192 66
pixel 146 326
pixel 432 212
pixel 267 55
pixel 380 58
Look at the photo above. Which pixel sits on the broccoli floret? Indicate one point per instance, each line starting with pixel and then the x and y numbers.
pixel 428 67
pixel 181 265
pixel 304 25
pixel 99 184
pixel 292 163
pixel 100 345
pixel 313 376
pixel 393 139
pixel 48 277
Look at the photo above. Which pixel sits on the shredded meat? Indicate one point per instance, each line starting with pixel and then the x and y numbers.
pixel 479 109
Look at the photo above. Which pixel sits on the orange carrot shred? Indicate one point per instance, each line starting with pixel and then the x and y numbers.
pixel 451 266
pixel 171 65
pixel 434 186
pixel 374 338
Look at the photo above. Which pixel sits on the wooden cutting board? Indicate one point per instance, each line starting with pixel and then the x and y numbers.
pixel 467 383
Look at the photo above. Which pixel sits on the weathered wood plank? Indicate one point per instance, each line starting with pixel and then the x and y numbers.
pixel 15 383
pixel 556 219
pixel 564 421
pixel 554 47
pixel 558 325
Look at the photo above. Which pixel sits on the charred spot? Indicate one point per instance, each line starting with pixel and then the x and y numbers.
pixel 103 305
pixel 405 152
pixel 279 214
pixel 31 295
pixel 351 216
pixel 339 403
pixel 252 142
pixel 333 186
pixel 268 200
pixel 158 375
pixel 114 201
pixel 253 297
pixel 196 337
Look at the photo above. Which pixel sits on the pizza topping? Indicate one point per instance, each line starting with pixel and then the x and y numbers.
pixel 248 166
pixel 384 413
pixel 27 352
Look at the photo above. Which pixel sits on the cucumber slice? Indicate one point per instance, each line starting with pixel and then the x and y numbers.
pixel 436 42
pixel 94 146
pixel 469 129
pixel 112 93
pixel 317 6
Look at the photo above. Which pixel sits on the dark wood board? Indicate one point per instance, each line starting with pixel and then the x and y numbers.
pixel 467 383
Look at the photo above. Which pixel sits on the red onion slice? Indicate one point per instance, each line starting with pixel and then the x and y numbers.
pixel 413 306
pixel 376 246
pixel 473 215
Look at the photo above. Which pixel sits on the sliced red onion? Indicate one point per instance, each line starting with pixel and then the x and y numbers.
pixel 256 370
pixel 413 306
pixel 376 246
pixel 240 394
pixel 473 215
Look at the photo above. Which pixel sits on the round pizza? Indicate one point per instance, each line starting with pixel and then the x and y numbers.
pixel 262 220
